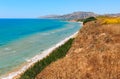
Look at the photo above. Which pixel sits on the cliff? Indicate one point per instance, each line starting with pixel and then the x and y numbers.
pixel 95 54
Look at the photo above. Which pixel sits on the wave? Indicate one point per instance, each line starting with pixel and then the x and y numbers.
pixel 7 49
pixel 36 58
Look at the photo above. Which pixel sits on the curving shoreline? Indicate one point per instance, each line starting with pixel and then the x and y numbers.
pixel 36 58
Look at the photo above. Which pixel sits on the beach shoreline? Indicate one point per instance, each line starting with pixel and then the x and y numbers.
pixel 37 58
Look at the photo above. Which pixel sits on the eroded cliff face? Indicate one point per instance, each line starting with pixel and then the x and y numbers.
pixel 95 54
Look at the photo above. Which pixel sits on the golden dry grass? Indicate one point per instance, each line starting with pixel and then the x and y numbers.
pixel 95 54
pixel 113 28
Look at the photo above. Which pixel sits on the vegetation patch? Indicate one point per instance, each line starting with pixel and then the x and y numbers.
pixel 109 20
pixel 58 53
pixel 89 19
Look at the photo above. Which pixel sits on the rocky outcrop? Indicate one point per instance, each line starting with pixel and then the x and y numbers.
pixel 95 54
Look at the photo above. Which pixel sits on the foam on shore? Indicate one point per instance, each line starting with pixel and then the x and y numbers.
pixel 36 58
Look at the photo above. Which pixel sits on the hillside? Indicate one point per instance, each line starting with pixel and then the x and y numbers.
pixel 75 15
pixel 95 54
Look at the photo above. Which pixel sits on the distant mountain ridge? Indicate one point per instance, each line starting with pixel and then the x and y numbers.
pixel 74 15
pixel 77 15
pixel 114 15
pixel 49 16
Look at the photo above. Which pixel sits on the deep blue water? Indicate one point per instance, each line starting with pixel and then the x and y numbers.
pixel 12 29
pixel 22 39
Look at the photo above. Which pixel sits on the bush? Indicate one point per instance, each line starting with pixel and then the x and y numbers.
pixel 89 19
pixel 40 65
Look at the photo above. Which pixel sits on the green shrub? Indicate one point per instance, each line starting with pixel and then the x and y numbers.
pixel 60 52
pixel 89 19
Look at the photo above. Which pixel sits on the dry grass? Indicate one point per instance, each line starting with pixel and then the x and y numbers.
pixel 95 54
pixel 110 24
pixel 113 28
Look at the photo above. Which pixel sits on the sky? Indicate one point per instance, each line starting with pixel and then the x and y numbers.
pixel 36 8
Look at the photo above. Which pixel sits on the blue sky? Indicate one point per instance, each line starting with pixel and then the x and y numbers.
pixel 36 8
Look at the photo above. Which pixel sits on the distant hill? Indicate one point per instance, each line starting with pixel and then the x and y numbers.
pixel 114 15
pixel 50 16
pixel 75 15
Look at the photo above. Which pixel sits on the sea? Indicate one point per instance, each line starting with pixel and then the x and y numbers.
pixel 22 39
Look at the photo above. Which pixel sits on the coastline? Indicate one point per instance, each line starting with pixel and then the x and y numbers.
pixel 36 58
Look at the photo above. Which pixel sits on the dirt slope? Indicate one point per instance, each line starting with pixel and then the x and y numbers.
pixel 95 54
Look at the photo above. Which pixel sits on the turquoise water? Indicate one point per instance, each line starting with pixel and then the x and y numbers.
pixel 22 39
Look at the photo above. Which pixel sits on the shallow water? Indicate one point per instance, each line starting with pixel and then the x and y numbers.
pixel 22 39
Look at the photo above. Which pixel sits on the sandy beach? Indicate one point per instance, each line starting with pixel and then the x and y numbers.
pixel 36 58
